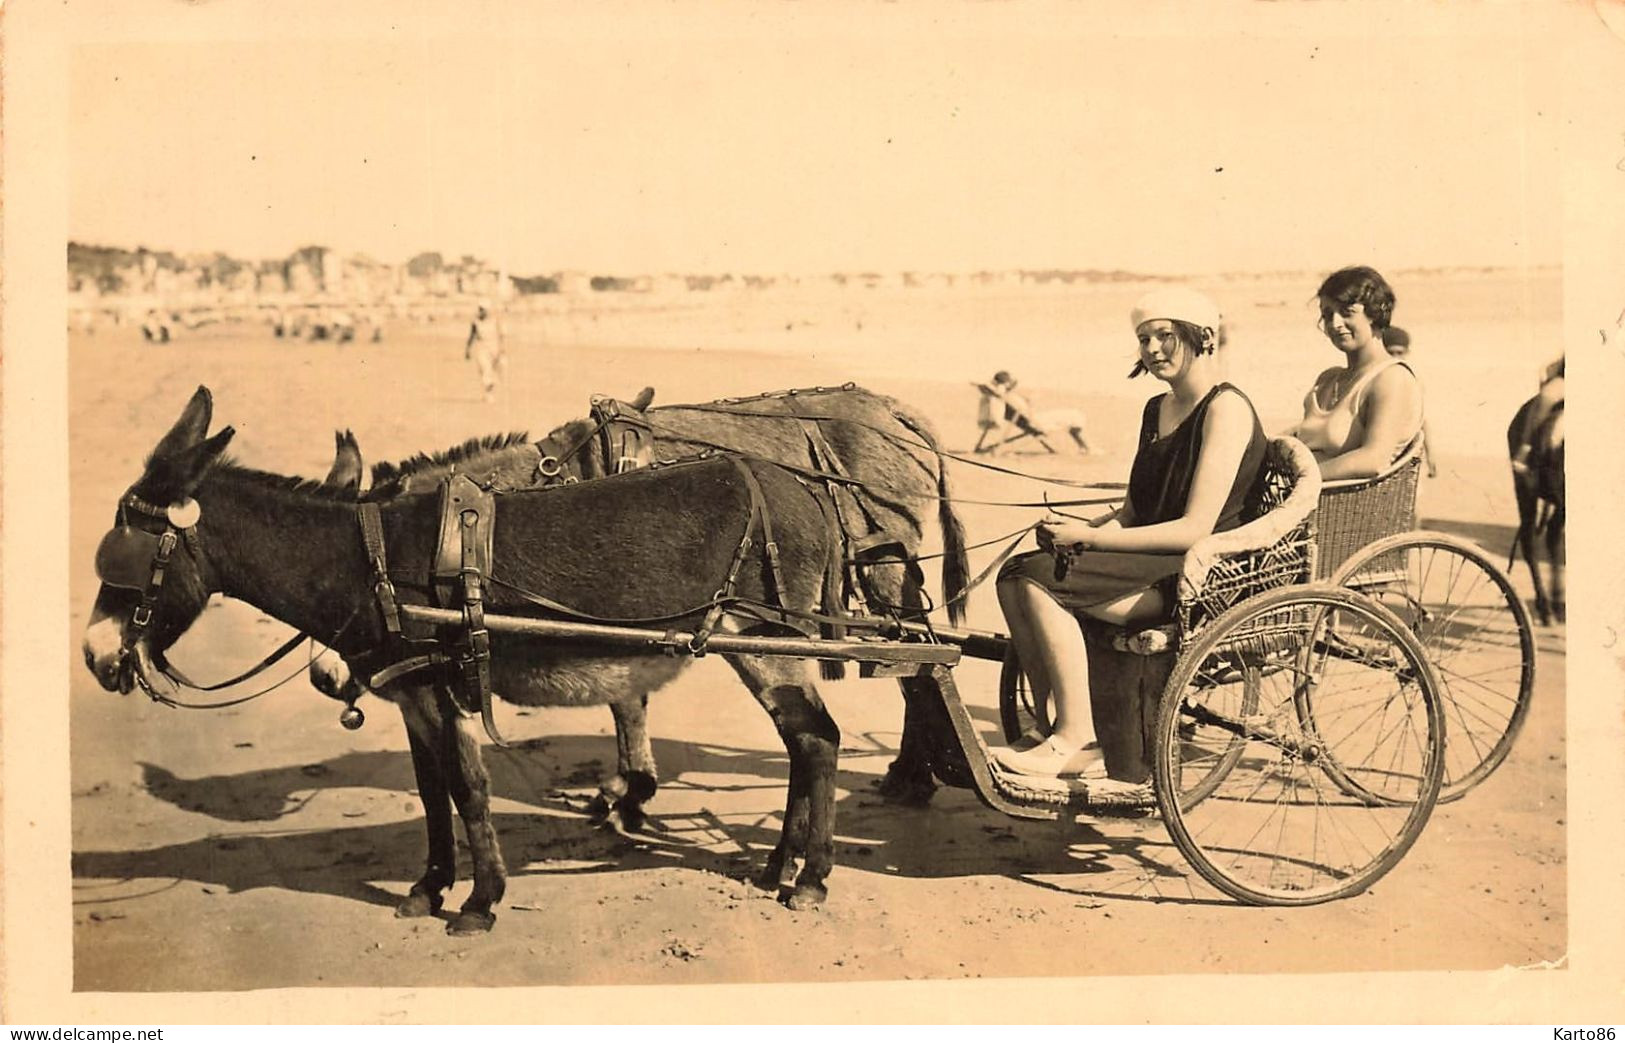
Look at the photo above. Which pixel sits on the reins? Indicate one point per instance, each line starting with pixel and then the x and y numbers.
pixel 174 674
pixel 726 406
pixel 874 487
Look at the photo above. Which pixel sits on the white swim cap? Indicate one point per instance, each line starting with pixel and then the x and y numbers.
pixel 1177 302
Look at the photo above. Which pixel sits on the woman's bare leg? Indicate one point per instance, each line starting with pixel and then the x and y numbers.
pixel 1048 638
pixel 1014 605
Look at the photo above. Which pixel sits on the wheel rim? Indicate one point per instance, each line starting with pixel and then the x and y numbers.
pixel 1017 709
pixel 1282 825
pixel 1476 633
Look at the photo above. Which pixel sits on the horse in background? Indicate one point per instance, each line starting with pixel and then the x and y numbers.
pixel 1535 446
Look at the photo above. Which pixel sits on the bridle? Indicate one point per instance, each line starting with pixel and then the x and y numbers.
pixel 622 437
pixel 119 564
pixel 125 547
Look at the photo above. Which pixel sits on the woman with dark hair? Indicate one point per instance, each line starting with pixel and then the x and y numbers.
pixel 1200 452
pixel 1362 414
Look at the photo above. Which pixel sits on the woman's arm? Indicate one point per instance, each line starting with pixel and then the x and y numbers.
pixel 1388 411
pixel 1226 430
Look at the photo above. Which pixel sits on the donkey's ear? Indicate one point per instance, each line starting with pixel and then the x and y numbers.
pixel 192 464
pixel 347 466
pixel 190 428
pixel 641 403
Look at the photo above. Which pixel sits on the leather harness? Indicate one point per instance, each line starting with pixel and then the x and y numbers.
pixel 462 567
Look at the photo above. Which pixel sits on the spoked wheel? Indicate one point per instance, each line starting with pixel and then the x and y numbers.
pixel 1277 827
pixel 1018 710
pixel 1475 631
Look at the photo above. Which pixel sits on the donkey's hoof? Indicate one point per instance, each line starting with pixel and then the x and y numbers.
pixel 807 898
pixel 624 818
pixel 1560 612
pixel 471 922
pixel 418 904
pixel 907 789
pixel 777 875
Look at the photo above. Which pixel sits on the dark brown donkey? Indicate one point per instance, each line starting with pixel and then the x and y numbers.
pixel 506 463
pixel 898 481
pixel 650 543
pixel 896 471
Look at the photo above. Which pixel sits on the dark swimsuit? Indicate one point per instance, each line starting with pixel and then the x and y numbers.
pixel 1159 487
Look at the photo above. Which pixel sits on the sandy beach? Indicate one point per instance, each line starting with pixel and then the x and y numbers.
pixel 264 846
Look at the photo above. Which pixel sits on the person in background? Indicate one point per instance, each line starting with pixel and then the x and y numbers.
pixel 1201 451
pixel 1361 415
pixel 1398 343
pixel 485 346
pixel 1020 419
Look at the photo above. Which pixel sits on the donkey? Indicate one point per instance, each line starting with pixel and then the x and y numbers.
pixel 1535 446
pixel 895 468
pixel 650 543
pixel 889 453
pixel 502 462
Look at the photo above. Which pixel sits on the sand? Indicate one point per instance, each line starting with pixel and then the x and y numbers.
pixel 263 846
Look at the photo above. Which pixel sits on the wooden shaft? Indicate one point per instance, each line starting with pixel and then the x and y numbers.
pixel 667 641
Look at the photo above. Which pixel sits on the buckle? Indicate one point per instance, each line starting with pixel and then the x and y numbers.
pixel 142 616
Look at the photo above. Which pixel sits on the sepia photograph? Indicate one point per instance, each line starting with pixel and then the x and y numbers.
pixel 1014 503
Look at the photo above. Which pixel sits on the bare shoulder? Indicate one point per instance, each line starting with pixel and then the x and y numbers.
pixel 1397 381
pixel 1230 413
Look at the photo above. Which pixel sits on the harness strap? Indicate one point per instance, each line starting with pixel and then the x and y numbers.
pixel 832 603
pixel 825 459
pixel 403 667
pixel 372 537
pixel 759 509
pixel 725 593
pixel 142 616
pixel 475 660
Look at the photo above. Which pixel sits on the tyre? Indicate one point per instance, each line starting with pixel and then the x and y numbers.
pixel 1475 631
pixel 1017 709
pixel 1277 826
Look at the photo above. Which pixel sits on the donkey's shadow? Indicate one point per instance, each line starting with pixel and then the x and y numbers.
pixel 954 837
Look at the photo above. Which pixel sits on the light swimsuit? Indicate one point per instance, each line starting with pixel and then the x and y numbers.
pixel 1337 429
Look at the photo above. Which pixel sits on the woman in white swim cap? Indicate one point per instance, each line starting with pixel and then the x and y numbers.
pixel 1201 450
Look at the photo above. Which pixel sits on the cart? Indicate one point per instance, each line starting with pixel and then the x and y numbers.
pixel 1295 732
pixel 1447 591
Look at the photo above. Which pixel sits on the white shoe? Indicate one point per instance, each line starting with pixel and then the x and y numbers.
pixel 1033 736
pixel 1053 758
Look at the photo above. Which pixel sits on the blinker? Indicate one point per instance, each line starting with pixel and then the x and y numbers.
pixel 124 558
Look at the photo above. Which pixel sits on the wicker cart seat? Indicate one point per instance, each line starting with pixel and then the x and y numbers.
pixel 1274 548
pixel 1357 512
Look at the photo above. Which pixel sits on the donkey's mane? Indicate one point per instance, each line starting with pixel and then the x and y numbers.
pixel 312 487
pixel 387 472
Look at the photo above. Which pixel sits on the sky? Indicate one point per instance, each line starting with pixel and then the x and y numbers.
pixel 769 138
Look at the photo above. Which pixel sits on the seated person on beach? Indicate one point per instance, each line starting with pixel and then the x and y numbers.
pixel 1360 415
pixel 1200 451
pixel 1020 418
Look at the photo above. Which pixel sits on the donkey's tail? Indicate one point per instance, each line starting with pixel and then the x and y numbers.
pixel 955 562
